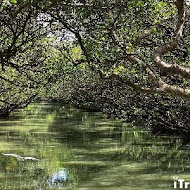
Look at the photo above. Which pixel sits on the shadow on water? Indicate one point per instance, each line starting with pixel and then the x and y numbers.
pixel 85 150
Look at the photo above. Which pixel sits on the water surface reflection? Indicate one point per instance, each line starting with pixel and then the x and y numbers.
pixel 85 150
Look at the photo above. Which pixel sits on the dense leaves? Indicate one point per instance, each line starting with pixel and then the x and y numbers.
pixel 25 57
pixel 61 48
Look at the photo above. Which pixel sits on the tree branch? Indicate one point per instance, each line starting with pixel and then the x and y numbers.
pixel 173 68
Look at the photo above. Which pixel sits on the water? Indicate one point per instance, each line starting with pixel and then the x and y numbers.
pixel 83 150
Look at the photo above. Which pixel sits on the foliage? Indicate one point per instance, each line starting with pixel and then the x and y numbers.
pixel 144 46
pixel 130 40
pixel 26 58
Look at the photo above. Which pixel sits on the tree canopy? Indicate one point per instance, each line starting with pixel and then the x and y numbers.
pixel 143 44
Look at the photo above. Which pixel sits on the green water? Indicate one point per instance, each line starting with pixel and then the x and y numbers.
pixel 96 152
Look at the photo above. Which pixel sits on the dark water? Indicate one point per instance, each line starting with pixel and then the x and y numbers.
pixel 82 150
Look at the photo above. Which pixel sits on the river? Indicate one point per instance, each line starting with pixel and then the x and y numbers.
pixel 93 152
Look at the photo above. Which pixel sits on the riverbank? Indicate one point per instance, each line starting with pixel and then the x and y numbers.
pixel 162 115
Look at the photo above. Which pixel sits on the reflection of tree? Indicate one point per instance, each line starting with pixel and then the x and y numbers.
pixel 85 144
pixel 76 127
pixel 105 139
pixel 27 139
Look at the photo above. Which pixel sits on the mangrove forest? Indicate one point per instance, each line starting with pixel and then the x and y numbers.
pixel 94 94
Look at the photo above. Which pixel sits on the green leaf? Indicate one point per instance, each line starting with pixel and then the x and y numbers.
pixel 185 82
pixel 139 3
pixel 133 71
pixel 120 68
pixel 14 1
pixel 116 71
pixel 130 44
pixel 154 30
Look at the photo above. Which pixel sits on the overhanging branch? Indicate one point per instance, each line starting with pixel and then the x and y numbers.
pixel 173 68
